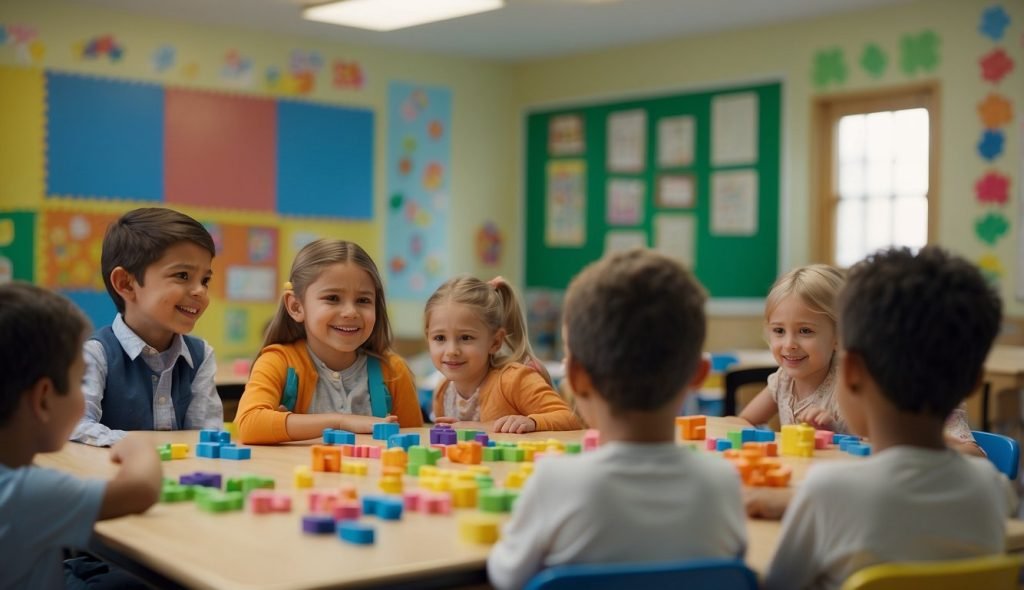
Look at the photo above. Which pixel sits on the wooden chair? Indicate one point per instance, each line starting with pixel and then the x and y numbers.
pixel 734 380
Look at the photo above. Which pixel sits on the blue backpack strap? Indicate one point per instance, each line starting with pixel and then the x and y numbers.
pixel 291 390
pixel 380 397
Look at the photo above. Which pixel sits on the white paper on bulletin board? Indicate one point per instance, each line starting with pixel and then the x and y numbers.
pixel 1020 218
pixel 566 203
pixel 250 283
pixel 675 235
pixel 621 240
pixel 734 203
pixel 627 141
pixel 734 129
pixel 625 201
pixel 565 135
pixel 675 141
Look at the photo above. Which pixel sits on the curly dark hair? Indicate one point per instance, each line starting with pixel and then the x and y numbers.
pixel 923 323
pixel 635 323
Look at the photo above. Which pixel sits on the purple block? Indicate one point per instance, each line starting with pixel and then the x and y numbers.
pixel 317 524
pixel 201 478
pixel 482 438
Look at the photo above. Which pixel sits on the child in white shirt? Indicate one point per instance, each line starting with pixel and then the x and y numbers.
pixel 914 334
pixel 633 332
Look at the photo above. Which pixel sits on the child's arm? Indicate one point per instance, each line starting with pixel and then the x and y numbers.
pixel 89 430
pixel 404 401
pixel 760 409
pixel 136 486
pixel 206 410
pixel 766 503
pixel 958 433
pixel 539 406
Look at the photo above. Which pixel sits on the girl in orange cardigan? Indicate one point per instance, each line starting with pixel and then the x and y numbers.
pixel 477 339
pixel 326 360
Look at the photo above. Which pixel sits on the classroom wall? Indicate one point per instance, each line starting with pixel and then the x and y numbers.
pixel 481 173
pixel 788 52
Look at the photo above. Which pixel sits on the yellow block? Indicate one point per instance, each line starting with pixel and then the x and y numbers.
pixel 478 528
pixel 179 450
pixel 303 477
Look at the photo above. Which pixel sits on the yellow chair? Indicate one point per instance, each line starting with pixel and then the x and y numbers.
pixel 991 572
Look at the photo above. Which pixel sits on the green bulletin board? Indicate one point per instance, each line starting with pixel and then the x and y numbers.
pixel 734 257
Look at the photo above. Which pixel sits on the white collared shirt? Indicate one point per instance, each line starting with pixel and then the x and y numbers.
pixel 204 411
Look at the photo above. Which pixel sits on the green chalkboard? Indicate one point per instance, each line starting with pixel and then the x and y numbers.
pixel 730 264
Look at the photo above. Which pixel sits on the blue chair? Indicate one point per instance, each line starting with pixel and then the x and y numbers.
pixel 693 574
pixel 1003 451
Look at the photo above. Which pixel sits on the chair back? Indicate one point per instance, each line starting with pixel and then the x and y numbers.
pixel 991 572
pixel 1002 451
pixel 694 574
pixel 740 377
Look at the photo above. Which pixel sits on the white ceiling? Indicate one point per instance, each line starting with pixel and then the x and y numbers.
pixel 522 30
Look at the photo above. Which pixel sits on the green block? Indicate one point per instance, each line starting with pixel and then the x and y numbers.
pixel 418 454
pixel 433 456
pixel 484 482
pixel 573 448
pixel 413 469
pixel 235 499
pixel 507 444
pixel 493 454
pixel 515 455
pixel 736 438
pixel 165 454
pixel 173 493
pixel 494 500
pixel 465 434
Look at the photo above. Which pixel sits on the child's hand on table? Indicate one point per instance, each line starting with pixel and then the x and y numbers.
pixel 767 503
pixel 515 424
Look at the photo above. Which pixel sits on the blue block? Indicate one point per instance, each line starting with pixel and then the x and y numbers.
pixel 748 435
pixel 858 449
pixel 210 450
pixel 764 436
pixel 405 441
pixel 317 524
pixel 388 509
pixel 723 444
pixel 208 435
pixel 385 430
pixel 370 504
pixel 333 436
pixel 224 436
pixel 355 532
pixel 235 453
pixel 839 438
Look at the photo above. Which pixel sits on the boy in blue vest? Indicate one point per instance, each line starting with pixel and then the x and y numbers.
pixel 43 511
pixel 143 372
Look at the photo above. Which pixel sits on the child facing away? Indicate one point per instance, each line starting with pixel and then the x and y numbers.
pixel 477 339
pixel 42 510
pixel 326 360
pixel 143 372
pixel 800 319
pixel 633 332
pixel 914 333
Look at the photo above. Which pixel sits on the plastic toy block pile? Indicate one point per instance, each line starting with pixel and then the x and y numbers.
pixel 754 451
pixel 213 444
pixel 338 510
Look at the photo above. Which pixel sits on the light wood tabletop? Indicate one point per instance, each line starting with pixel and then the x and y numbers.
pixel 240 550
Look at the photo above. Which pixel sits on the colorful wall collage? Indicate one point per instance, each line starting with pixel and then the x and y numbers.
pixel 264 168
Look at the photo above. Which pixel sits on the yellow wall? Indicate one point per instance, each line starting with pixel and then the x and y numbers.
pixel 482 167
pixel 787 52
pixel 490 100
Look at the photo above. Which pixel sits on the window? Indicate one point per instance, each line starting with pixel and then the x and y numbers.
pixel 875 179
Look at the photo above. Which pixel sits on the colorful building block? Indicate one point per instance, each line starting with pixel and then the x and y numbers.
pixel 722 444
pixel 797 440
pixel 478 528
pixel 303 477
pixel 201 478
pixel 265 501
pixel 334 436
pixel 355 532
pixel 466 434
pixel 591 440
pixel 443 434
pixel 385 430
pixel 179 450
pixel 317 524
pixel 326 459
pixel 859 449
pixel 236 453
pixel 495 500
pixel 355 468
pixel 691 427
pixel 468 452
pixel 347 510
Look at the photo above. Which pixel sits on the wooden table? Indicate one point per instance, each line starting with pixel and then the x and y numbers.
pixel 182 545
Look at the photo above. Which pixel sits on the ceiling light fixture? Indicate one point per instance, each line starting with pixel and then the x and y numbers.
pixel 389 15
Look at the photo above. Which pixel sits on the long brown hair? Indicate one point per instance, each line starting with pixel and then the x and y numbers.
pixel 309 263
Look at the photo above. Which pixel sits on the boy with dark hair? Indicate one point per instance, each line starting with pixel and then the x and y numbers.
pixel 633 332
pixel 42 510
pixel 142 371
pixel 914 333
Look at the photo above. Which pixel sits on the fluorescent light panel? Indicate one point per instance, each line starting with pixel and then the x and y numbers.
pixel 389 15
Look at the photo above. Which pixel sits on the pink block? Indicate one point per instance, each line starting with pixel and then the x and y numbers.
pixel 281 503
pixel 412 500
pixel 347 510
pixel 322 501
pixel 591 439
pixel 711 444
pixel 373 452
pixel 437 504
pixel 260 502
pixel 822 438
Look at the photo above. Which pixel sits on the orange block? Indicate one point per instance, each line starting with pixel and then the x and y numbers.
pixel 326 458
pixel 692 427
pixel 467 452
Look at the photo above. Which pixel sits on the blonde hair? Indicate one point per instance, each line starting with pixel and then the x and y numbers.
pixel 309 263
pixel 817 285
pixel 497 306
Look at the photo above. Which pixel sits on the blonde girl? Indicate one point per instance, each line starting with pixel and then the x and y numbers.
pixel 477 339
pixel 800 326
pixel 326 360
